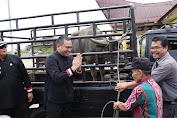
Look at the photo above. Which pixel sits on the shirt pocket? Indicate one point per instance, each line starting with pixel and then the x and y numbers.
pixel 13 69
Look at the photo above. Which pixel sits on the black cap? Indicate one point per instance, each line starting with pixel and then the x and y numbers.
pixel 141 63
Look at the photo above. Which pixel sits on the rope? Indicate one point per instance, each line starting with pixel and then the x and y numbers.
pixel 116 112
pixel 105 107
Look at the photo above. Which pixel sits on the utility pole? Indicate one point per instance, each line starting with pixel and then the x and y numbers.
pixel 10 25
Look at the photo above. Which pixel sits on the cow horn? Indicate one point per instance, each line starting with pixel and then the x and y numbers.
pixel 100 42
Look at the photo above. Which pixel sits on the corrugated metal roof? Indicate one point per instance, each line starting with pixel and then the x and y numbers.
pixel 170 16
pixel 144 13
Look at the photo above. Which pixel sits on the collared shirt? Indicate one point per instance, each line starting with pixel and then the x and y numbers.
pixel 59 84
pixel 146 100
pixel 12 76
pixel 165 74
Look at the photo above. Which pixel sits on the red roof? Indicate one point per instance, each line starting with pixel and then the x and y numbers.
pixel 144 13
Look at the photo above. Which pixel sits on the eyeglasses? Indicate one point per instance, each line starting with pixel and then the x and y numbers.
pixel 156 47
pixel 3 46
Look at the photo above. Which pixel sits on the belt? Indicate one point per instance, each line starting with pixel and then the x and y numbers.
pixel 170 102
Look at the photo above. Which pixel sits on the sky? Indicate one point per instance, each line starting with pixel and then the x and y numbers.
pixel 22 8
pixel 25 8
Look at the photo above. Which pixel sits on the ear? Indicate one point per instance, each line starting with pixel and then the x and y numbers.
pixel 140 71
pixel 166 47
pixel 57 45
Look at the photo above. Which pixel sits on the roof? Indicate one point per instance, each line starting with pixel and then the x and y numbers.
pixel 170 16
pixel 144 13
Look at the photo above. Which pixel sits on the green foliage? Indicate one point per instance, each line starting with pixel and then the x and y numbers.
pixel 9 52
pixel 39 49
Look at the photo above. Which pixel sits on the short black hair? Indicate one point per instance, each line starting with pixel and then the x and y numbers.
pixel 61 39
pixel 163 39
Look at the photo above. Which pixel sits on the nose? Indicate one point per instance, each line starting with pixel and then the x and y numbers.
pixel 69 49
pixel 152 49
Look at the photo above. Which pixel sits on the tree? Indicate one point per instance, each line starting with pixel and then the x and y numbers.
pixel 39 48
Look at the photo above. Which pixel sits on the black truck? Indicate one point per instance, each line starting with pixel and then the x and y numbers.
pixel 89 96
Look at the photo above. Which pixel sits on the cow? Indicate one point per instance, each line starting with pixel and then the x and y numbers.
pixel 91 45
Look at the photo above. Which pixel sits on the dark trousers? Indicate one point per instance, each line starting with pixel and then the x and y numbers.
pixel 170 110
pixel 16 112
pixel 59 110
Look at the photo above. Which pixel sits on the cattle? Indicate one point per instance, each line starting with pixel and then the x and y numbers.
pixel 91 45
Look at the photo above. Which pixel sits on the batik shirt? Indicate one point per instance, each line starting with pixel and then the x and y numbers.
pixel 146 100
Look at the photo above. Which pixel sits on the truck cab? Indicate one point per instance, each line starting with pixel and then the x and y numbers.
pixel 170 31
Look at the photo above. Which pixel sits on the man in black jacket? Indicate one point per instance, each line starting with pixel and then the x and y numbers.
pixel 12 76
pixel 61 70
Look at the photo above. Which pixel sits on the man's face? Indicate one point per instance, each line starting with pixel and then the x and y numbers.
pixel 3 50
pixel 136 74
pixel 157 50
pixel 66 48
pixel 128 46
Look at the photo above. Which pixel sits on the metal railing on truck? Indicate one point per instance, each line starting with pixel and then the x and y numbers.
pixel 32 37
pixel 123 24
